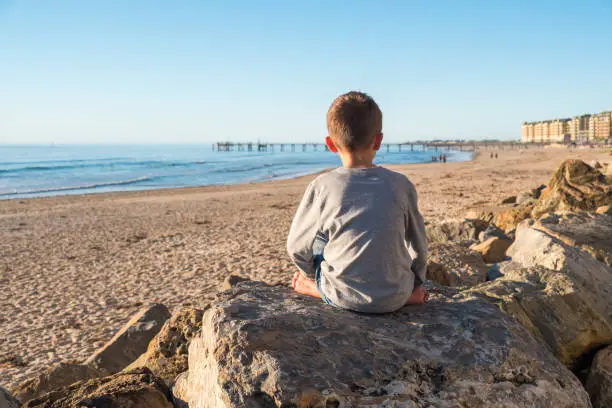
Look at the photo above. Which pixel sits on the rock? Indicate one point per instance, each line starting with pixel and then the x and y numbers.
pixel 231 281
pixel 454 265
pixel 490 232
pixel 509 200
pixel 560 293
pixel 264 346
pixel 179 391
pixel 599 381
pixel 492 250
pixel 508 219
pixel 575 186
pixel 604 209
pixel 590 232
pixel 57 376
pixel 131 341
pixel 455 231
pixel 7 400
pixel 166 355
pixel 137 389
pixel 525 197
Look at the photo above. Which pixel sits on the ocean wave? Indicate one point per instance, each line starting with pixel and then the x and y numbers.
pixel 89 165
pixel 81 187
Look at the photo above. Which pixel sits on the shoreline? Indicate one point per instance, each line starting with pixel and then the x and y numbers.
pixel 75 268
pixel 474 154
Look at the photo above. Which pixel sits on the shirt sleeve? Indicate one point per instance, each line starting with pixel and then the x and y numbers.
pixel 303 232
pixel 415 235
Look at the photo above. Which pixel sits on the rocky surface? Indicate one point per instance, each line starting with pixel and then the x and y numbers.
pixel 507 219
pixel 137 389
pixel 599 381
pixel 231 281
pixel 266 346
pixel 179 391
pixel 7 400
pixel 131 341
pixel 454 265
pixel 560 293
pixel 590 232
pixel 58 376
pixel 455 231
pixel 493 250
pixel 166 355
pixel 575 186
pixel 490 232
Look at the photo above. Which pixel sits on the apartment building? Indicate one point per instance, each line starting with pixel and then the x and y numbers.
pixel 581 129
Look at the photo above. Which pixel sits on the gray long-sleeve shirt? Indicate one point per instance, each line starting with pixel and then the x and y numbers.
pixel 373 224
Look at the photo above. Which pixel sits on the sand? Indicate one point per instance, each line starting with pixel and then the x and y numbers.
pixel 73 269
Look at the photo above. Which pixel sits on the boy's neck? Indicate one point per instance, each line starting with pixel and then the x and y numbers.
pixel 357 160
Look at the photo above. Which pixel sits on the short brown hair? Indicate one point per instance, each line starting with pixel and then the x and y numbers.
pixel 354 120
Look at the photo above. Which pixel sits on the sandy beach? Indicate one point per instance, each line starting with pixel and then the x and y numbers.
pixel 73 269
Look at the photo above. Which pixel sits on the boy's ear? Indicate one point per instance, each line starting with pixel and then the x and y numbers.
pixel 330 144
pixel 378 141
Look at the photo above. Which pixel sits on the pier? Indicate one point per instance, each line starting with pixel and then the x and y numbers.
pixel 466 146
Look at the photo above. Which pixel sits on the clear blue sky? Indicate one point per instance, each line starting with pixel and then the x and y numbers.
pixel 199 71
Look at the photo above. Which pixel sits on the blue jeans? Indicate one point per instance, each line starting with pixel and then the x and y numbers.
pixel 318 248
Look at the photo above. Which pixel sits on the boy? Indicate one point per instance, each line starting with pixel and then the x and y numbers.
pixel 352 232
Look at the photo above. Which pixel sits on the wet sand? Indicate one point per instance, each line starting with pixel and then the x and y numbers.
pixel 73 269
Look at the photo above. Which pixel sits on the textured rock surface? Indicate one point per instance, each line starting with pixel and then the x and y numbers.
pixel 137 389
pixel 561 294
pixel 266 346
pixel 604 209
pixel 131 341
pixel 599 381
pixel 166 355
pixel 493 250
pixel 179 391
pixel 575 186
pixel 7 400
pixel 231 281
pixel 508 219
pixel 57 376
pixel 454 265
pixel 590 232
pixel 490 232
pixel 455 231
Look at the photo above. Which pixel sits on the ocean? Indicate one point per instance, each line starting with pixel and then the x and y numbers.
pixel 36 171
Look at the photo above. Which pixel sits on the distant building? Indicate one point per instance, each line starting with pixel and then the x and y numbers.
pixel 580 129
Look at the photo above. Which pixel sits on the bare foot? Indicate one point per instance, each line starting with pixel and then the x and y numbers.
pixel 301 284
pixel 418 297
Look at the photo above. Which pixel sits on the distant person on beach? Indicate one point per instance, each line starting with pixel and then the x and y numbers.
pixel 358 238
pixel 444 158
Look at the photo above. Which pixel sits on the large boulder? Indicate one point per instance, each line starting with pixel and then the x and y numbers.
pixel 131 341
pixel 57 376
pixel 137 389
pixel 493 250
pixel 599 381
pixel 454 265
pixel 575 186
pixel 264 346
pixel 166 355
pixel 588 231
pixel 7 400
pixel 560 293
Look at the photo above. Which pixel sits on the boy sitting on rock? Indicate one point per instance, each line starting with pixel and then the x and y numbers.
pixel 353 231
